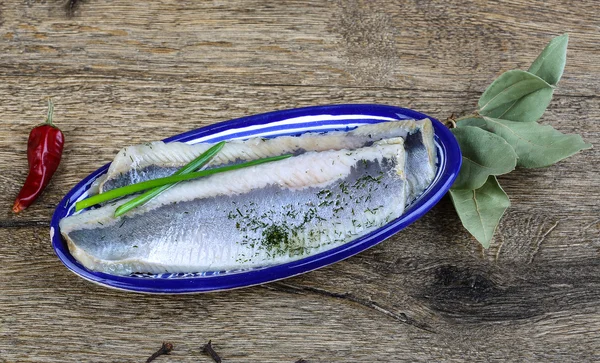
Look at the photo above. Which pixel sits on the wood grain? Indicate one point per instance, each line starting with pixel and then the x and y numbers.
pixel 123 72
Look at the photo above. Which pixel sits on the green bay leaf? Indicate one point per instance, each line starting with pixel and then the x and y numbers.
pixel 483 154
pixel 509 88
pixel 536 145
pixel 550 64
pixel 480 210
pixel 526 109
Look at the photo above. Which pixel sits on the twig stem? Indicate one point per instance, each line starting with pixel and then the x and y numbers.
pixel 208 349
pixel 165 349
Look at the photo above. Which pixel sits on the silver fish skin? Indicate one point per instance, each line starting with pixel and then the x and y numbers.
pixel 421 160
pixel 257 216
pixel 143 162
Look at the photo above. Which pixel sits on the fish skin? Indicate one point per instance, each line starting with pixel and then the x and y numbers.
pixel 281 213
pixel 420 160
pixel 143 162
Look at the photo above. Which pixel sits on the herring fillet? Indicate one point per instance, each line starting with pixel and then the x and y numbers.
pixel 143 162
pixel 257 216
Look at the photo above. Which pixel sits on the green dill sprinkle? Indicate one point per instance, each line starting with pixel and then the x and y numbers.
pixel 324 193
pixel 344 187
pixel 274 236
pixel 325 203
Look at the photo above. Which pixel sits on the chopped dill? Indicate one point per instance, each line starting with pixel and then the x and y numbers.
pixel 326 203
pixel 344 187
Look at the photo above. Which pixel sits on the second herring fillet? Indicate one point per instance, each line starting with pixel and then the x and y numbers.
pixel 257 216
pixel 143 162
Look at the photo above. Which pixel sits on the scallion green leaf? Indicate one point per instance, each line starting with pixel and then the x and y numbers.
pixel 193 165
pixel 138 187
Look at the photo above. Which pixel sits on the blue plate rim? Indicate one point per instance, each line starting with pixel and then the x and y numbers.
pixel 198 284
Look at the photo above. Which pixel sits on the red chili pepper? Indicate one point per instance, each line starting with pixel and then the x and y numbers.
pixel 44 150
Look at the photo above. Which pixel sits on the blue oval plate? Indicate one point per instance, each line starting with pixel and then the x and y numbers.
pixel 287 122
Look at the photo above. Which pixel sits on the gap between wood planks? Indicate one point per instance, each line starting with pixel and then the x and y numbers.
pixel 157 78
pixel 295 289
pixel 8 223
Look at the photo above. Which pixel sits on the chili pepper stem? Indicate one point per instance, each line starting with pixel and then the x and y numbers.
pixel 50 113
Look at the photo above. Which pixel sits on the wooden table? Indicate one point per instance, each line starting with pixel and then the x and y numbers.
pixel 123 72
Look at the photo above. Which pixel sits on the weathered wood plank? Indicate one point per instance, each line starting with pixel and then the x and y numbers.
pixel 475 308
pixel 457 45
pixel 122 73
